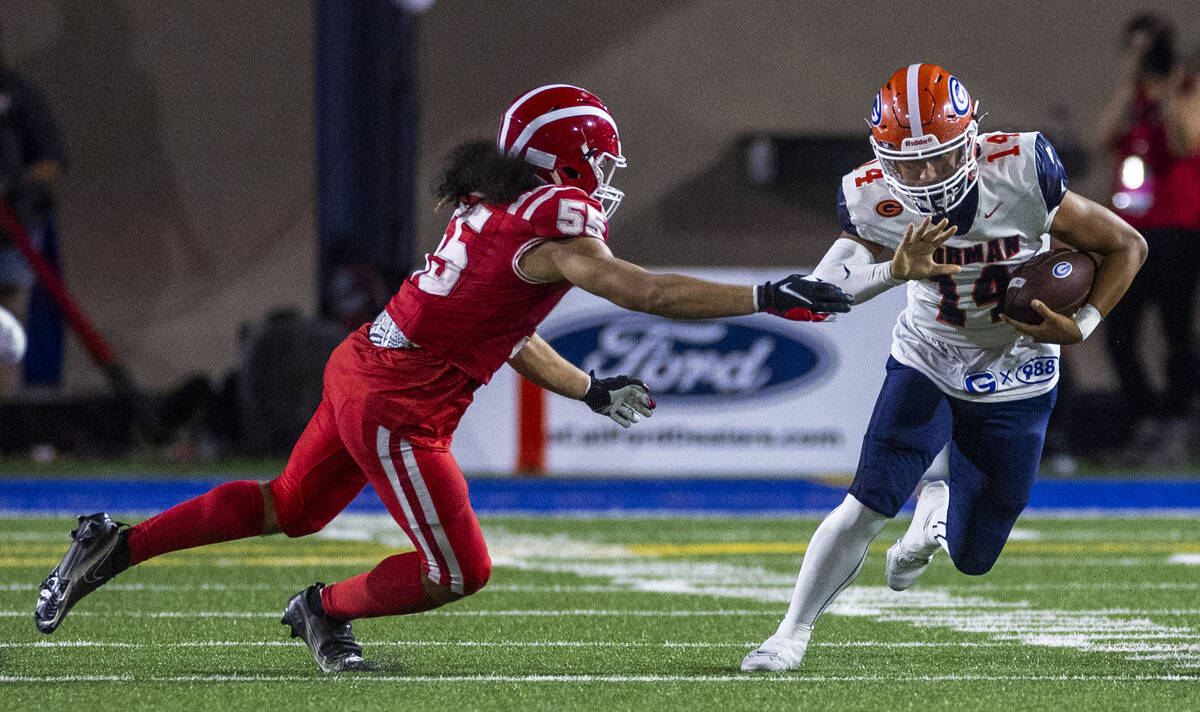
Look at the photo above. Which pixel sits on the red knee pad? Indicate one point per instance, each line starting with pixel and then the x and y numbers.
pixel 476 576
pixel 294 518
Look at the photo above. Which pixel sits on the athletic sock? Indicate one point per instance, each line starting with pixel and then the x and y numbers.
pixel 927 539
pixel 230 511
pixel 392 588
pixel 835 555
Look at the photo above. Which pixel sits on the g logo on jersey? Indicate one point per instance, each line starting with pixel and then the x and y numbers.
pixel 888 208
pixel 980 382
pixel 1062 269
pixel 958 97
pixel 877 109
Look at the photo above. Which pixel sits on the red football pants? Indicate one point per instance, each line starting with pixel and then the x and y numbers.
pixel 364 431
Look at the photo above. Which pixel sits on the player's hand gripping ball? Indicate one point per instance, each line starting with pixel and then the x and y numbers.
pixel 1061 279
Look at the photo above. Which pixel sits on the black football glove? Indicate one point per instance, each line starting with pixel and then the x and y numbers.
pixel 799 299
pixel 621 398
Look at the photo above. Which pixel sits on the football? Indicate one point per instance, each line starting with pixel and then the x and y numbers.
pixel 1061 279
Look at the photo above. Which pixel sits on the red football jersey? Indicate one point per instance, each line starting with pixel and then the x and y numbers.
pixel 470 305
pixel 1168 196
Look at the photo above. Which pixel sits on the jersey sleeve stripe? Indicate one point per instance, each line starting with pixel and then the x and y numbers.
pixel 524 197
pixel 516 260
pixel 543 198
pixel 516 205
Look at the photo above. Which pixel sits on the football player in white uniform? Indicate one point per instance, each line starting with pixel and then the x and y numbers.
pixel 959 210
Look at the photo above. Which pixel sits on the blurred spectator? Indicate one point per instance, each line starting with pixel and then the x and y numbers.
pixel 31 157
pixel 1149 126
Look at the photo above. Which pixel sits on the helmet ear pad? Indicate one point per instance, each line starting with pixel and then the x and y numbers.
pixel 580 173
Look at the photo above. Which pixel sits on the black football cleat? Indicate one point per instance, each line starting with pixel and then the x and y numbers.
pixel 331 641
pixel 98 553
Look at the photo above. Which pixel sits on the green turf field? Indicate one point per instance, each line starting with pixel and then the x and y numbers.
pixel 625 614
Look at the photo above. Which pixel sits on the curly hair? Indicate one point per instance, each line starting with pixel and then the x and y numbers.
pixel 479 168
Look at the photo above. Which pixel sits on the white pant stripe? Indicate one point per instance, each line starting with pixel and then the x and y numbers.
pixel 383 441
pixel 431 517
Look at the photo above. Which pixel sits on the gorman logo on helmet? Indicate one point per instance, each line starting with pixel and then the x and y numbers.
pixel 698 360
pixel 959 98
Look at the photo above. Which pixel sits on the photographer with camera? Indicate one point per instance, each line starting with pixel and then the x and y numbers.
pixel 1149 128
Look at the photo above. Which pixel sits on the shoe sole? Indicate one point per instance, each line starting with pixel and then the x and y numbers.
pixel 765 668
pixel 299 630
pixel 897 586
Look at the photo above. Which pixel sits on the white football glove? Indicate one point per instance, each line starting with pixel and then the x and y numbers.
pixel 621 398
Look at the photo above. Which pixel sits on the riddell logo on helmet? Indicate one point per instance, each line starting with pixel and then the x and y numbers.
pixel 920 142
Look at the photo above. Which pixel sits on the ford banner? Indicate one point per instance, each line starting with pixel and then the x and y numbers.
pixel 754 395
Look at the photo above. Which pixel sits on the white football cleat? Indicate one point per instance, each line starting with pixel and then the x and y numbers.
pixel 777 653
pixel 908 558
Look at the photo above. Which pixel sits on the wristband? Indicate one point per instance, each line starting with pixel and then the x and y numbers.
pixel 1087 319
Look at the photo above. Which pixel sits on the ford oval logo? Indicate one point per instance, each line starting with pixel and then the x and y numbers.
pixel 742 358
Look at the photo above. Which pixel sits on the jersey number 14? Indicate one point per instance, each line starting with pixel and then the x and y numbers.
pixel 988 289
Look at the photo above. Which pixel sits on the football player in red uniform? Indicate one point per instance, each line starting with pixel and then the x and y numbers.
pixel 530 220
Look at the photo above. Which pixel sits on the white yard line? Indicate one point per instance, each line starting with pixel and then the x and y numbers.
pixel 1134 633
pixel 601 588
pixel 161 588
pixel 506 644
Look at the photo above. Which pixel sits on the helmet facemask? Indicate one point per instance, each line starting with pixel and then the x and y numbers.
pixel 928 176
pixel 605 166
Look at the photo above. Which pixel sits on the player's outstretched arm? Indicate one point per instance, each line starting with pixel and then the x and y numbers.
pixel 850 262
pixel 621 398
pixel 1091 227
pixel 588 264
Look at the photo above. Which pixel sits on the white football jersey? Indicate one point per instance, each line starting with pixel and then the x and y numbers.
pixel 951 330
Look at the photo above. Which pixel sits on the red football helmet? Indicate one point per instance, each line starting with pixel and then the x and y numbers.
pixel 567 134
pixel 923 131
